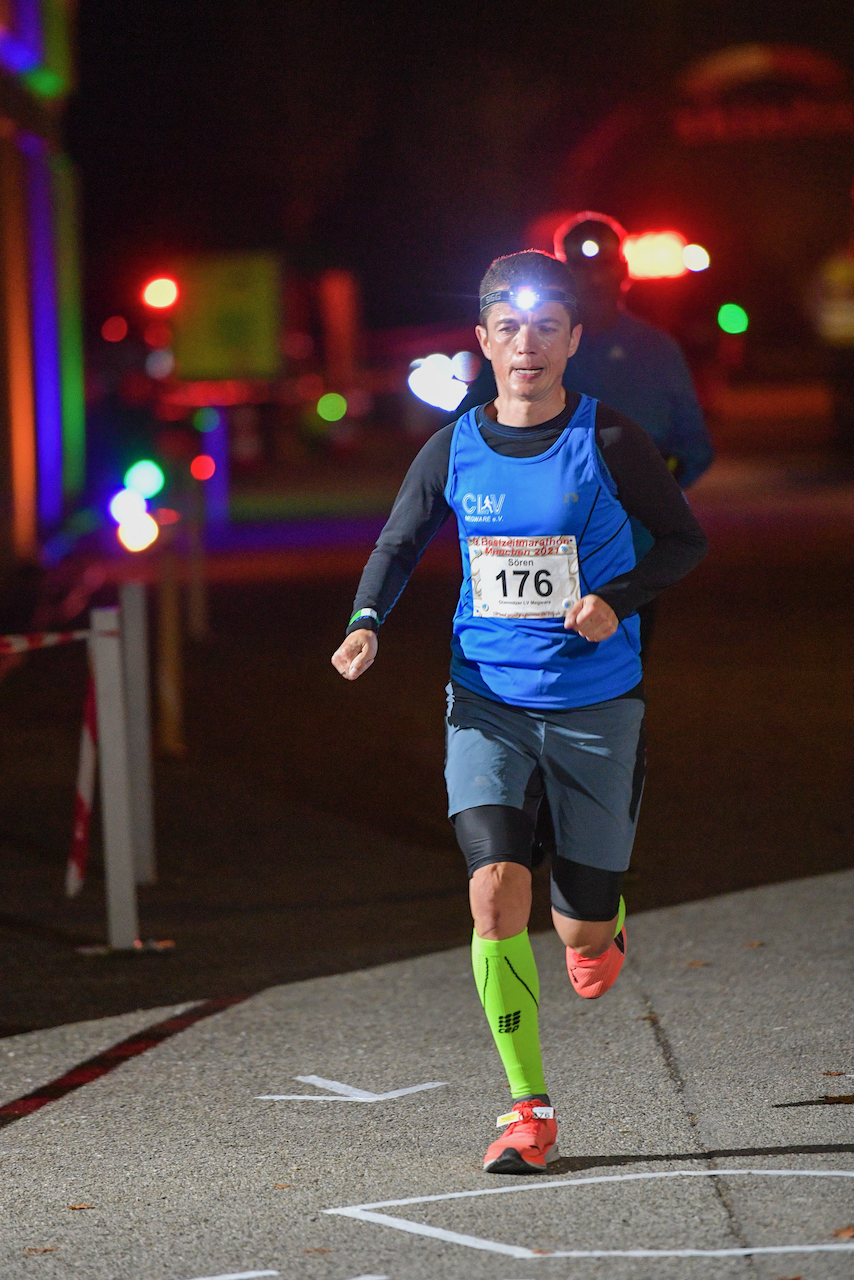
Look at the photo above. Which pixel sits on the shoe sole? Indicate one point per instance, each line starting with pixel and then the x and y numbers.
pixel 511 1162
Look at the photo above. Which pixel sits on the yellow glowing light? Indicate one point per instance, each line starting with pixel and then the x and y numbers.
pixel 139 533
pixel 590 248
pixel 695 257
pixel 655 255
pixel 161 292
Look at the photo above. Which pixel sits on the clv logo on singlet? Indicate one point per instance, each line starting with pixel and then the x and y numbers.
pixel 483 506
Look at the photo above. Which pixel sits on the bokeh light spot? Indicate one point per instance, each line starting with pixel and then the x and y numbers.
pixel 202 467
pixel 166 515
pixel 655 255
pixel 114 329
pixel 126 506
pixel 432 380
pixel 695 257
pixel 145 477
pixel 732 318
pixel 159 364
pixel 331 407
pixel 589 248
pixel 162 292
pixel 157 334
pixel 298 345
pixel 139 533
pixel 465 365
pixel 206 419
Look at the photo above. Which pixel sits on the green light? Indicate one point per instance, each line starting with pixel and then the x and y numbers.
pixel 206 419
pixel 331 407
pixel 45 83
pixel 732 318
pixel 145 477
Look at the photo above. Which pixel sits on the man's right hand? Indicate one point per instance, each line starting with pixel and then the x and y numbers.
pixel 356 654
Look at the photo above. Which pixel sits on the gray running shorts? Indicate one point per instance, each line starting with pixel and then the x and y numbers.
pixel 588 760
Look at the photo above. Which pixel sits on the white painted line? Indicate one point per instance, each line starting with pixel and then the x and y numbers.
pixel 343 1092
pixel 413 1088
pixel 437 1233
pixel 239 1275
pixel 365 1213
pixel 335 1086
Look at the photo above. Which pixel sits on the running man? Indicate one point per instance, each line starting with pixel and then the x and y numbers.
pixel 625 362
pixel 546 695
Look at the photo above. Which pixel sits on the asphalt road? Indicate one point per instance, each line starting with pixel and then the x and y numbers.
pixel 704 1108
pixel 305 832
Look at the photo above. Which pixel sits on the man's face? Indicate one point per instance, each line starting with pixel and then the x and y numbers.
pixel 528 349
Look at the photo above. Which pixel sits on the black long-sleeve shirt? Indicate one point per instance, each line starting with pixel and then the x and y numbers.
pixel 642 483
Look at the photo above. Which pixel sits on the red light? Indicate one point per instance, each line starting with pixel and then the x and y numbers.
pixel 202 467
pixel 655 255
pixel 114 329
pixel 157 334
pixel 160 293
pixel 165 516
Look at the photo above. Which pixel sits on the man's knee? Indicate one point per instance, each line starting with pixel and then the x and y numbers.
pixel 500 897
pixel 588 938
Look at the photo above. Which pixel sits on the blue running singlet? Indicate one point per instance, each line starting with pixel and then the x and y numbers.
pixel 533 661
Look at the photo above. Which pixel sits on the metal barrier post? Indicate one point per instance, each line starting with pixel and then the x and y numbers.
pixel 134 626
pixel 106 650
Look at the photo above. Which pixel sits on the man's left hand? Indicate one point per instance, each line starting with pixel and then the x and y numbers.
pixel 592 618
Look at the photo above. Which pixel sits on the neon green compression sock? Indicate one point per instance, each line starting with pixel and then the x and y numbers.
pixel 505 974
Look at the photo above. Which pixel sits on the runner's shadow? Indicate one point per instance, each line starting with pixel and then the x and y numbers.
pixel 578 1164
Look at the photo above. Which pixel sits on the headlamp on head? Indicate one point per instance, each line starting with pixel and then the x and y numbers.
pixel 526 297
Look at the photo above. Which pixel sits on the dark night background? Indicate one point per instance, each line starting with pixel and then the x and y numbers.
pixel 305 831
pixel 408 143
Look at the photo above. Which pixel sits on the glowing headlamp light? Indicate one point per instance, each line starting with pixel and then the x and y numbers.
pixel 525 297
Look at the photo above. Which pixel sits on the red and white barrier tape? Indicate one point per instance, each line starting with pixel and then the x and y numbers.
pixel 39 640
pixel 84 796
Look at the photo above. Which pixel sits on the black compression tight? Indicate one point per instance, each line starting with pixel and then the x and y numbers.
pixel 493 833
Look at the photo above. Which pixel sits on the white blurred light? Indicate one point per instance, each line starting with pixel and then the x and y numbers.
pixel 127 505
pixel 432 380
pixel 695 257
pixel 466 366
pixel 589 248
pixel 526 299
pixel 138 533
pixel 160 363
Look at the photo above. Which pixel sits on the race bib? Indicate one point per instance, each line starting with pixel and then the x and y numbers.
pixel 523 577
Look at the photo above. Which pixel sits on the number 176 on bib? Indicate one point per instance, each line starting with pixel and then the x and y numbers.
pixel 523 577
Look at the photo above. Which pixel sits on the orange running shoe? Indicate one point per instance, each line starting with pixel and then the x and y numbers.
pixel 592 978
pixel 530 1142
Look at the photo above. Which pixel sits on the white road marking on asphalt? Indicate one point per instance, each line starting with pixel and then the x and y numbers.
pixel 343 1092
pixel 364 1213
pixel 239 1275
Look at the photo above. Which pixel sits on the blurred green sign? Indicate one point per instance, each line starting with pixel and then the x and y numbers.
pixel 227 323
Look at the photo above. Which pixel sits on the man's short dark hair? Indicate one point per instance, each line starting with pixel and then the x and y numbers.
pixel 529 267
